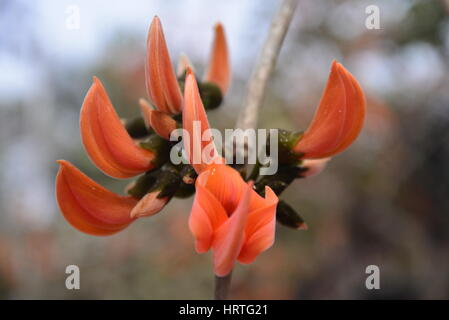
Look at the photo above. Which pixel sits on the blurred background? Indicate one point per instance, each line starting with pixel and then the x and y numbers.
pixel 384 202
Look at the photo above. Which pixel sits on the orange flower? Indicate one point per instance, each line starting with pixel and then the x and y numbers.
pixel 94 210
pixel 338 119
pixel 86 205
pixel 227 214
pixel 195 115
pixel 106 140
pixel 219 69
pixel 89 207
pixel 162 85
pixel 162 123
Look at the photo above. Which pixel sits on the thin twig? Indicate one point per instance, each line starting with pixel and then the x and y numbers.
pixel 222 285
pixel 248 116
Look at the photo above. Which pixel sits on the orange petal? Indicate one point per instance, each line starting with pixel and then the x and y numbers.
pixel 314 166
pixel 326 130
pixel 195 123
pixel 355 113
pixel 225 183
pixel 219 69
pixel 183 64
pixel 145 109
pixel 89 207
pixel 260 229
pixel 230 236
pixel 161 122
pixel 162 86
pixel 106 140
pixel 149 205
pixel 206 216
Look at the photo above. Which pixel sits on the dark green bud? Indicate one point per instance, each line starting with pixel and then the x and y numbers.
pixel 143 184
pixel 286 142
pixel 159 146
pixel 185 190
pixel 288 217
pixel 136 128
pixel 168 181
pixel 279 181
pixel 188 174
pixel 210 95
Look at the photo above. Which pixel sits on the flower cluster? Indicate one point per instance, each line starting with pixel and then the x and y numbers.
pixel 233 215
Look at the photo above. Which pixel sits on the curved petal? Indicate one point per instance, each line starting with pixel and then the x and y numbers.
pixel 219 69
pixel 326 130
pixel 206 216
pixel 161 122
pixel 195 123
pixel 355 113
pixel 149 205
pixel 89 207
pixel 106 140
pixel 314 167
pixel 145 110
pixel 229 238
pixel 183 64
pixel 225 183
pixel 260 229
pixel 162 86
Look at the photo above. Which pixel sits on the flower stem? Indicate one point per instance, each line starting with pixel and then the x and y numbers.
pixel 265 64
pixel 222 285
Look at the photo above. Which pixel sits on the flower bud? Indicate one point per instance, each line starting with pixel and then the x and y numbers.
pixel 288 217
pixel 149 205
pixel 136 128
pixel 159 146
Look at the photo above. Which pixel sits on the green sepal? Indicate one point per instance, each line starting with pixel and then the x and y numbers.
pixel 143 184
pixel 288 216
pixel 168 181
pixel 159 146
pixel 136 128
pixel 185 190
pixel 210 95
pixel 286 142
pixel 279 181
pixel 188 174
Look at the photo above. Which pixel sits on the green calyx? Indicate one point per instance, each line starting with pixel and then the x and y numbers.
pixel 210 95
pixel 279 181
pixel 159 146
pixel 143 184
pixel 136 128
pixel 165 179
pixel 288 217
pixel 287 140
pixel 169 180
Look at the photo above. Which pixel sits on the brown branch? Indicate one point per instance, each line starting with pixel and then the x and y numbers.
pixel 248 117
pixel 222 285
